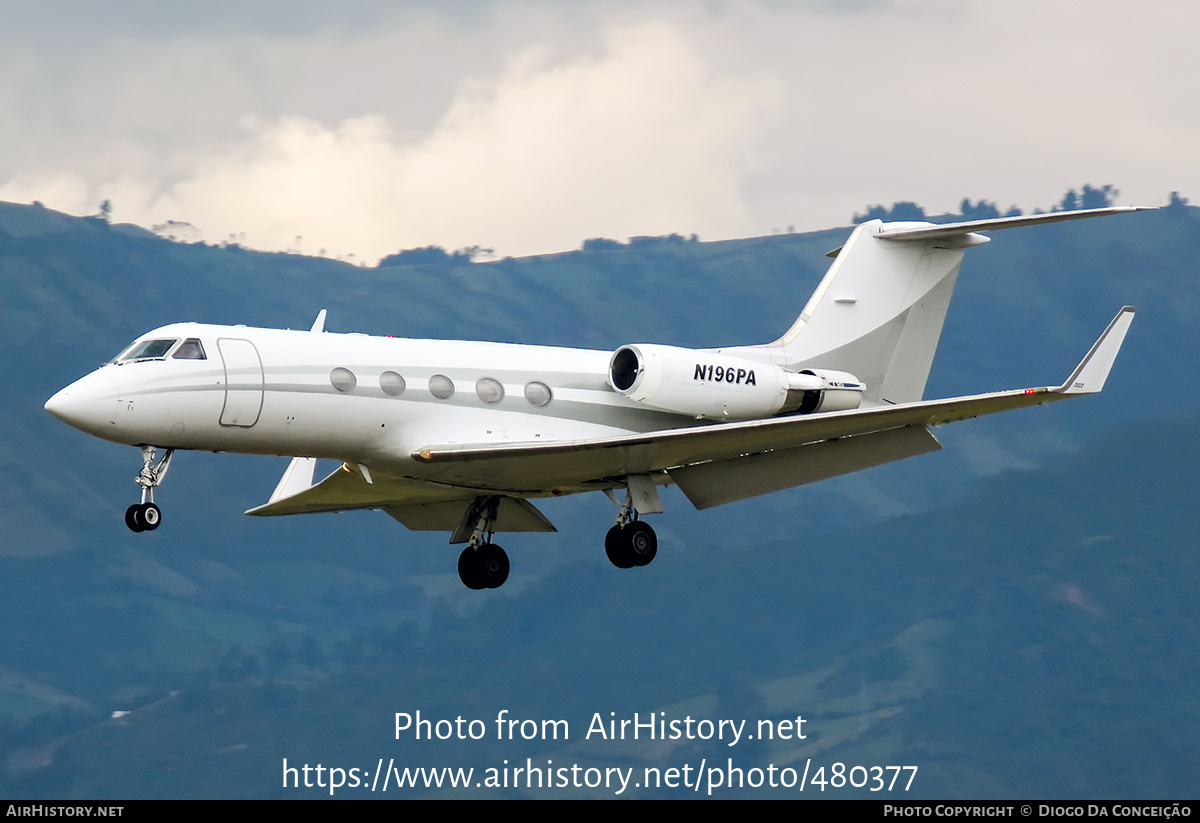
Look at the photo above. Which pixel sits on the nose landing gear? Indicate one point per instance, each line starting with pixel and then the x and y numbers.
pixel 145 516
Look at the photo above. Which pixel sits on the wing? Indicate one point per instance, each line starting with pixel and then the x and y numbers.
pixel 712 464
pixel 347 489
pixel 704 452
pixel 419 505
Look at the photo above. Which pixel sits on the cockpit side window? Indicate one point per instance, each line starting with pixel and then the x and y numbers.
pixel 147 350
pixel 190 349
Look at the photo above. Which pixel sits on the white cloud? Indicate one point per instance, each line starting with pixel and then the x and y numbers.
pixel 529 126
pixel 641 139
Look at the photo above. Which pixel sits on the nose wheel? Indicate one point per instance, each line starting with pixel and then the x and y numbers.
pixel 145 516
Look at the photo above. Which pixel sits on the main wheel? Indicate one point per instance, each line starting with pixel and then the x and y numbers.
pixel 617 549
pixel 616 546
pixel 642 541
pixel 483 568
pixel 631 545
pixel 133 518
pixel 470 570
pixel 493 562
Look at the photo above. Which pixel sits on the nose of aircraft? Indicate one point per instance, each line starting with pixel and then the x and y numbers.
pixel 89 404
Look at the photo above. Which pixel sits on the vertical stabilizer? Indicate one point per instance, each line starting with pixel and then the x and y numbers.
pixel 877 313
pixel 879 310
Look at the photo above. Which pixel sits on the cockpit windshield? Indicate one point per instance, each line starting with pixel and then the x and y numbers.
pixel 190 349
pixel 146 350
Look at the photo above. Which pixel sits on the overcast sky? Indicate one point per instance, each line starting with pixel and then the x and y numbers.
pixel 367 127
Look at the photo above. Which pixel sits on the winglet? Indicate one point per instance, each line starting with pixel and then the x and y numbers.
pixel 1092 371
pixel 319 324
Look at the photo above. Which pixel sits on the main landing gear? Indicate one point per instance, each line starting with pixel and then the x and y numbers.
pixel 145 516
pixel 483 564
pixel 631 542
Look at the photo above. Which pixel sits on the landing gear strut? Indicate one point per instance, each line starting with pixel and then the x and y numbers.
pixel 631 542
pixel 145 516
pixel 483 564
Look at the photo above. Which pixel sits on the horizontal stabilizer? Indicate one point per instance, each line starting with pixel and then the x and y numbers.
pixel 942 231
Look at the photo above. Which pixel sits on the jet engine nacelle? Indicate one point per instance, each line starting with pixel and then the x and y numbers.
pixel 712 385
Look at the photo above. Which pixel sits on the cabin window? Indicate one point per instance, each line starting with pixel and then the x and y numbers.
pixel 391 383
pixel 190 349
pixel 537 393
pixel 147 350
pixel 489 390
pixel 343 379
pixel 441 386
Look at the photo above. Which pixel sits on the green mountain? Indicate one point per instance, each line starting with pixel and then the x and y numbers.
pixel 1010 615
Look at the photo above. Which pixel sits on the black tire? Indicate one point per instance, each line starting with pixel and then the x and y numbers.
pixel 493 564
pixel 133 518
pixel 150 516
pixel 617 548
pixel 642 542
pixel 470 570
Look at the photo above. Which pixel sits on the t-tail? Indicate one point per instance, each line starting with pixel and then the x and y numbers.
pixel 878 312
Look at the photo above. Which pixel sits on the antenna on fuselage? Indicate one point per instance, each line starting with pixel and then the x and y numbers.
pixel 319 324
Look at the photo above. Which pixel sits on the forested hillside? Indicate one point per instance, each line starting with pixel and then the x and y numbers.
pixel 1011 614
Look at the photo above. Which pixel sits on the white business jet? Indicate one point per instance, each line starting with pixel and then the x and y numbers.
pixel 459 436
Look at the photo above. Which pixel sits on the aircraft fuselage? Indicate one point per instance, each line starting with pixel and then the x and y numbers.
pixel 349 397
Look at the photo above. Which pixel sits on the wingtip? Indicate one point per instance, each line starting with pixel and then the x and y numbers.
pixel 1092 372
